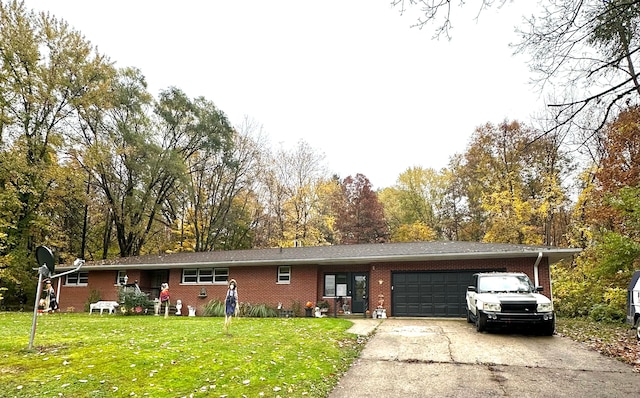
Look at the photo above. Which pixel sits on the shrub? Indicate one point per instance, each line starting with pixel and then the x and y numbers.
pixel 133 302
pixel 94 295
pixel 213 308
pixel 258 311
pixel 217 308
pixel 296 306
pixel 605 313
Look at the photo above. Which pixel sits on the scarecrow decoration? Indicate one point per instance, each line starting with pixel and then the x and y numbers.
pixel 230 303
pixel 164 298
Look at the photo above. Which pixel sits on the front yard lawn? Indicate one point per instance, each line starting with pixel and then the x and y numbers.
pixel 77 355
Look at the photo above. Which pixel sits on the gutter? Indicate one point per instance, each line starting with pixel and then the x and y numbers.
pixel 535 269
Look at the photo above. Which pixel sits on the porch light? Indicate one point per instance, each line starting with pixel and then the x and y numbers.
pixel 380 281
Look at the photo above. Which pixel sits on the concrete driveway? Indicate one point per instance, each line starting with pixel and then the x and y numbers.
pixel 448 358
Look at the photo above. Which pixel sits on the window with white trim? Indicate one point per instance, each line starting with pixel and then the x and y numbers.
pixel 205 275
pixel 284 274
pixel 220 275
pixel 80 278
pixel 120 278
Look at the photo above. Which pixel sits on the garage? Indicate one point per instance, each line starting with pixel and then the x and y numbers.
pixel 433 294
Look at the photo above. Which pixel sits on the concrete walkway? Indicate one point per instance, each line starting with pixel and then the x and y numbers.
pixel 364 326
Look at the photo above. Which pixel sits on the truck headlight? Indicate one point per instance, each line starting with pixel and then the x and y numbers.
pixel 545 307
pixel 495 307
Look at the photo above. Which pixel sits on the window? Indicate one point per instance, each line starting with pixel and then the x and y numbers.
pixel 205 275
pixel 331 281
pixel 284 274
pixel 77 279
pixel 189 275
pixel 220 275
pixel 121 278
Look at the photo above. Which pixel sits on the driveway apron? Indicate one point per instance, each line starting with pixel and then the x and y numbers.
pixel 448 358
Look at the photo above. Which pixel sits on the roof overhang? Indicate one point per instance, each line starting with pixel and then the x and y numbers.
pixel 553 256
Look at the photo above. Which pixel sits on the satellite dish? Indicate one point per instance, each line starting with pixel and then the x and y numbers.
pixel 45 257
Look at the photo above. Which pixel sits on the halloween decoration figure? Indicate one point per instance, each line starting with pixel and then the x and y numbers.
pixel 230 303
pixel 164 298
pixel 48 302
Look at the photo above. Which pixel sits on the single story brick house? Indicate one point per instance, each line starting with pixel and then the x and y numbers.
pixel 414 279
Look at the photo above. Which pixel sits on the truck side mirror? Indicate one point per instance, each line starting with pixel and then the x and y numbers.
pixel 539 288
pixel 471 288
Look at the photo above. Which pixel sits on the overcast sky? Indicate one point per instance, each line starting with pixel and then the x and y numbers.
pixel 349 77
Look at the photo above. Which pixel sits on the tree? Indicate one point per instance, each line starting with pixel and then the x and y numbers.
pixel 220 190
pixel 586 50
pixel 46 69
pixel 511 182
pixel 438 12
pixel 590 50
pixel 138 159
pixel 618 168
pixel 414 204
pixel 361 216
pixel 292 186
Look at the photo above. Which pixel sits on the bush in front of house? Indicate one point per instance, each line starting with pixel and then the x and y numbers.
pixel 257 311
pixel 94 296
pixel 213 308
pixel 134 302
pixel 216 308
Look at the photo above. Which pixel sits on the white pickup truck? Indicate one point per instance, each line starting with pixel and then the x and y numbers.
pixel 508 298
pixel 633 303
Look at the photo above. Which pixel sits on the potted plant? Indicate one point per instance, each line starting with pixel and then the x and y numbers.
pixel 308 309
pixel 323 305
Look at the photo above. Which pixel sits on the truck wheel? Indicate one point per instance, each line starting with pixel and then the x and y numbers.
pixel 481 321
pixel 469 316
pixel 637 327
pixel 548 329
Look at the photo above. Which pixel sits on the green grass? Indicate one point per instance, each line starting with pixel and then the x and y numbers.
pixel 77 355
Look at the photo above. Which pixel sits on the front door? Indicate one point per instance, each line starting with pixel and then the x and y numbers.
pixel 359 293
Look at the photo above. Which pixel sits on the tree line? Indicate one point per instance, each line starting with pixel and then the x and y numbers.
pixel 95 166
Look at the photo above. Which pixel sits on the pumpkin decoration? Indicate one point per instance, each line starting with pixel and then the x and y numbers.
pixel 309 304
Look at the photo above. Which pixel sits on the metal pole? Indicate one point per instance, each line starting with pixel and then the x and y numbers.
pixel 35 309
pixel 58 291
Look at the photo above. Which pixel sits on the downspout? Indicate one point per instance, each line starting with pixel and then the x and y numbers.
pixel 535 270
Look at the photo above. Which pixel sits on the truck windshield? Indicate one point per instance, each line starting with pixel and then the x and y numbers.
pixel 505 283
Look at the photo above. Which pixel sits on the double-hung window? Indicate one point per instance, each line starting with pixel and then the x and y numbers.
pixel 284 274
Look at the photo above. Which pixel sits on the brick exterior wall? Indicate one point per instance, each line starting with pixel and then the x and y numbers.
pixel 258 285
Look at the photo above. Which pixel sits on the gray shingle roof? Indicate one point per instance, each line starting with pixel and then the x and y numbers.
pixel 338 254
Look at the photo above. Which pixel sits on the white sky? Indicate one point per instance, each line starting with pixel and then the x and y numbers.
pixel 349 77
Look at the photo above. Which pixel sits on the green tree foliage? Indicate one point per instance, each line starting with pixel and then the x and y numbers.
pixel 139 159
pixel 607 224
pixel 360 216
pixel 512 184
pixel 46 69
pixel 413 207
